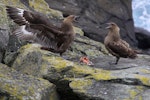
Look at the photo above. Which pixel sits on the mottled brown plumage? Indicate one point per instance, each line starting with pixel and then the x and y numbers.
pixel 115 45
pixel 37 28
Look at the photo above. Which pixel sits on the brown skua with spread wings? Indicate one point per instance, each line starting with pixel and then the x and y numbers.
pixel 36 27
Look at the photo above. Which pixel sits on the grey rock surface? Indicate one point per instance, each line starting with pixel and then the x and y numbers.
pixel 18 86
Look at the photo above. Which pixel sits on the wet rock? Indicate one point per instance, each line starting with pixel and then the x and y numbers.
pixel 17 86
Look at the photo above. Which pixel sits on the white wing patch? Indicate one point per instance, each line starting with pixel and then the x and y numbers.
pixel 24 34
pixel 21 11
pixel 24 31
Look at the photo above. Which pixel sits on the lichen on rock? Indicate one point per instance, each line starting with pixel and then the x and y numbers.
pixel 18 86
pixel 129 80
pixel 42 6
pixel 73 73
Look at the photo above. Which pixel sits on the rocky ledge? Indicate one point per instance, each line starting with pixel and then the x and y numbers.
pixel 129 80
pixel 29 73
pixel 18 86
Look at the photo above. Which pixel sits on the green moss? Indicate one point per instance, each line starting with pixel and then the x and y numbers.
pixel 145 71
pixel 24 50
pixel 53 96
pixel 97 74
pixel 3 17
pixel 145 80
pixel 20 91
pixel 78 30
pixel 82 69
pixel 91 47
pixel 140 98
pixel 89 50
pixel 43 7
pixel 21 86
pixel 12 89
pixel 1 75
pixel 79 70
pixel 31 90
pixel 92 52
pixel 80 85
pixel 5 22
pixel 58 62
pixel 15 3
pixel 140 89
pixel 102 75
pixel 17 61
pixel 43 68
pixel 135 93
pixel 78 46
pixel 29 47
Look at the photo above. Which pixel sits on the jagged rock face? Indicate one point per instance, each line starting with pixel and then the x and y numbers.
pixel 129 80
pixel 95 13
pixel 18 86
pixel 4 32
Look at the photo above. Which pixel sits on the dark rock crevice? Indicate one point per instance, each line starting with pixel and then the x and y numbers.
pixel 63 89
pixel 143 37
pixel 127 81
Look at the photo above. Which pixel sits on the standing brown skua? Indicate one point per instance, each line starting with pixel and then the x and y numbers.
pixel 115 45
pixel 36 27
